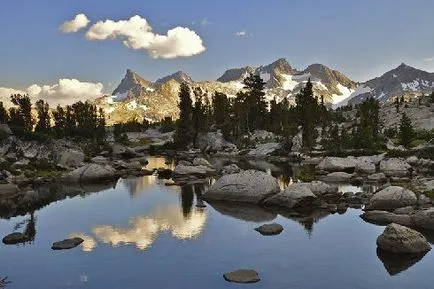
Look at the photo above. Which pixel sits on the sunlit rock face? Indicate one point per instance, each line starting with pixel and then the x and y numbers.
pixel 142 231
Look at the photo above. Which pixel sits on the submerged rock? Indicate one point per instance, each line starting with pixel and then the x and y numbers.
pixel 67 244
pixel 402 240
pixel 14 238
pixel 242 276
pixel 270 229
pixel 391 198
pixel 245 187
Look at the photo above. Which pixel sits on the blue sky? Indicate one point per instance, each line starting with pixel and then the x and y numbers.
pixel 360 38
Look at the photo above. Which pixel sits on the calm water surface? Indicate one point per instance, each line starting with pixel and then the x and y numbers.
pixel 142 234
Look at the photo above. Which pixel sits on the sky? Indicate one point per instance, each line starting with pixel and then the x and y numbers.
pixel 41 54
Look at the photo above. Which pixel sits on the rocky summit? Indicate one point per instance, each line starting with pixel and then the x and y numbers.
pixel 139 99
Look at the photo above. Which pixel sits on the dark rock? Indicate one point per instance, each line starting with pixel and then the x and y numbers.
pixel 15 238
pixel 269 229
pixel 242 276
pixel 402 240
pixel 67 244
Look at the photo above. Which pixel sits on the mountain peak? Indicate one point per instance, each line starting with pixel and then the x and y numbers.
pixel 236 74
pixel 179 76
pixel 130 81
pixel 281 65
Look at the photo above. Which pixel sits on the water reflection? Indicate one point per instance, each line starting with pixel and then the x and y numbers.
pixel 142 231
pixel 24 203
pixel 160 162
pixel 138 186
pixel 397 263
pixel 245 212
pixel 89 242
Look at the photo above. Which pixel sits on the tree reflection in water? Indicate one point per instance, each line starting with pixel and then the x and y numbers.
pixel 29 230
pixel 4 282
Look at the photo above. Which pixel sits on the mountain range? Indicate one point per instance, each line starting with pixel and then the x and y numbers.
pixel 137 98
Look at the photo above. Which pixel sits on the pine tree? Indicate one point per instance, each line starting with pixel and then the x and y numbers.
pixel 59 117
pixel 198 114
pixel 185 131
pixel 43 126
pixel 368 126
pixel 307 110
pixel 432 97
pixel 3 114
pixel 406 131
pixel 255 102
pixel 221 109
pixel 70 123
pixel 21 120
pixel 101 124
pixel 397 104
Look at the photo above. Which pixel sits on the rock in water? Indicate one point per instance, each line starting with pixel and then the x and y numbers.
pixel 67 244
pixel 14 238
pixel 402 240
pixel 297 195
pixel 245 187
pixel 93 173
pixel 242 276
pixel 391 198
pixel 334 164
pixel 270 229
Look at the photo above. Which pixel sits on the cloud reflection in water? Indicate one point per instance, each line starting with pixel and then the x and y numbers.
pixel 142 231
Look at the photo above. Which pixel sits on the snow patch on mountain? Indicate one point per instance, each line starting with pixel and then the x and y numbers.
pixel 265 76
pixel 289 83
pixel 358 91
pixel 120 97
pixel 345 92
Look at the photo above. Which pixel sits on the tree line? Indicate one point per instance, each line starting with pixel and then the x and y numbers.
pixel 81 120
pixel 248 111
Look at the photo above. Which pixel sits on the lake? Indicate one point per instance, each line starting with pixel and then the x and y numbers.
pixel 140 233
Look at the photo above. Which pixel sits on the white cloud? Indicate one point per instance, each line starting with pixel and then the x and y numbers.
pixel 243 33
pixel 66 91
pixel 429 59
pixel 137 34
pixel 79 22
pixel 5 94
